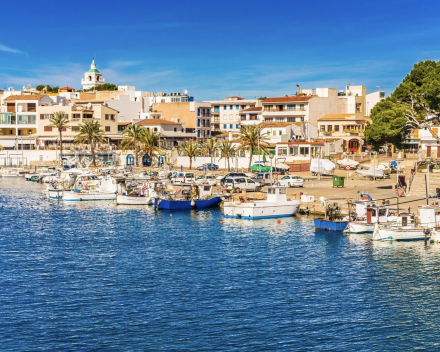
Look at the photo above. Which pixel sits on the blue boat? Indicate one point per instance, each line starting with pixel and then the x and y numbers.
pixel 328 225
pixel 160 203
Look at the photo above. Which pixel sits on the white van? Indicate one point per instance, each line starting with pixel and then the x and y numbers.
pixel 264 178
pixel 184 178
pixel 245 183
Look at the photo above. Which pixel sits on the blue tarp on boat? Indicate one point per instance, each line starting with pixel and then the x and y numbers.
pixel 186 204
pixel 327 225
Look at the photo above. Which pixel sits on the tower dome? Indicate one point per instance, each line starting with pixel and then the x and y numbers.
pixel 92 78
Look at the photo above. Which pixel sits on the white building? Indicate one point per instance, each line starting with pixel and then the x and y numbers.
pixel 227 113
pixel 92 78
pixel 372 99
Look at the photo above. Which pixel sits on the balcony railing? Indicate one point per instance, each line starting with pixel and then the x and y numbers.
pixel 284 109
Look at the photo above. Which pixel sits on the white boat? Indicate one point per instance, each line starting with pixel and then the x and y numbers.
pixel 347 162
pixel 105 191
pixel 10 173
pixel 322 166
pixel 371 173
pixel 142 196
pixel 276 205
pixel 395 233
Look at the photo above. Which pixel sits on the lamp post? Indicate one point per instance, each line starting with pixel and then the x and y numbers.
pixel 427 162
pixel 271 156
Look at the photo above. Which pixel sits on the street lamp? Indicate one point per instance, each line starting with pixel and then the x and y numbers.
pixel 271 156
pixel 427 162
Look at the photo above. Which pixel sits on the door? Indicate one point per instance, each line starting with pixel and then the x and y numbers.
pixel 428 151
pixel 438 151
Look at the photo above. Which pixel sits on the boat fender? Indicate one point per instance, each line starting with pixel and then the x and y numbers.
pixel 193 203
pixel 399 191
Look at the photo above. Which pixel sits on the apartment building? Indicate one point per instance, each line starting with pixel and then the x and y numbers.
pixel 196 116
pixel 77 114
pixel 372 99
pixel 227 113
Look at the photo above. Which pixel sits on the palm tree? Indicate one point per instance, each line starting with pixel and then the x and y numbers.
pixel 227 150
pixel 150 143
pixel 91 133
pixel 210 147
pixel 60 121
pixel 134 135
pixel 190 148
pixel 252 138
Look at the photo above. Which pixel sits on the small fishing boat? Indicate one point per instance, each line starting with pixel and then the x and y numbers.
pixel 139 196
pixel 275 206
pixel 105 191
pixel 332 220
pixel 201 198
pixel 10 173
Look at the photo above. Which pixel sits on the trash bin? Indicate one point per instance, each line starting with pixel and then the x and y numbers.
pixel 328 157
pixel 338 181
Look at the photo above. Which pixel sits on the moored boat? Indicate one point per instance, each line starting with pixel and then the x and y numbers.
pixel 199 198
pixel 330 225
pixel 276 205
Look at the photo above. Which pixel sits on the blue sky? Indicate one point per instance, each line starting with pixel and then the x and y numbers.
pixel 215 49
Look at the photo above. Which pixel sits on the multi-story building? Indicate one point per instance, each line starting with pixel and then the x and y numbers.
pixel 77 114
pixel 372 99
pixel 196 116
pixel 226 114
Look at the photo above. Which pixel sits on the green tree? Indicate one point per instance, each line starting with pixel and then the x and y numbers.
pixel 150 143
pixel 133 139
pixel 252 139
pixel 105 86
pixel 408 107
pixel 40 87
pixel 55 89
pixel 90 133
pixel 210 147
pixel 60 121
pixel 190 148
pixel 227 151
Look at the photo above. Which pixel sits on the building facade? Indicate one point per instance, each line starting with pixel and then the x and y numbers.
pixel 92 78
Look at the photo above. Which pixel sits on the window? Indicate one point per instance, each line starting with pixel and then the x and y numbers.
pixel 76 116
pixel 107 128
pixel 155 129
pixel 382 95
pixel 282 151
pixel 47 129
pixel 230 126
pixel 230 107
pixel 207 132
pixel 198 122
pixel 224 107
pixel 291 107
pixel 230 117
pixel 304 150
pixel 198 133
pixel 283 190
pixel 182 129
pixel 293 151
pixel 216 108
pixel 75 128
pixel 336 128
pixel 107 117
pixel 224 127
pixel 237 126
pixel 281 132
pixel 329 128
pixel 322 128
pixel 237 107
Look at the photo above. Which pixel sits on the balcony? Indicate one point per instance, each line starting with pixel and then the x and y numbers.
pixel 204 114
pixel 251 118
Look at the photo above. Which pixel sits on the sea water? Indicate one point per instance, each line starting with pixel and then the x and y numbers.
pixel 92 276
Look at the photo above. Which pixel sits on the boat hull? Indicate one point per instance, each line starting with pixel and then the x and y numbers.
pixel 399 234
pixel 360 227
pixel 127 200
pixel 87 196
pixel 327 225
pixel 186 204
pixel 255 211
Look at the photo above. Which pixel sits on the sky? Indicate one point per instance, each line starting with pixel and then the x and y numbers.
pixel 217 49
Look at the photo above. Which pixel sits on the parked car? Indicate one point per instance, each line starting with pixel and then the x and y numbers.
pixel 264 178
pixel 291 181
pixel 206 179
pixel 242 183
pixel 231 174
pixel 207 166
pixel 184 178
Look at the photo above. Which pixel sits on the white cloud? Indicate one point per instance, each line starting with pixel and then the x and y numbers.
pixel 9 50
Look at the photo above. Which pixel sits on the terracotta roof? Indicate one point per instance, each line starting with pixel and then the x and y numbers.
pixel 256 109
pixel 157 122
pixel 275 124
pixel 288 98
pixel 294 143
pixel 340 117
pixel 67 87
pixel 25 97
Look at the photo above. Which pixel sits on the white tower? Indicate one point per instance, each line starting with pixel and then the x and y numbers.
pixel 92 78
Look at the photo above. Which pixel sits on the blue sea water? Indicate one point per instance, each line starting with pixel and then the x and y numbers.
pixel 93 276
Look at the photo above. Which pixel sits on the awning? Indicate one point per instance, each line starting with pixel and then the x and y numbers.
pixel 7 143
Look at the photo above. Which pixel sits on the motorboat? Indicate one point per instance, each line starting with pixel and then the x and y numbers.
pixel 87 188
pixel 200 197
pixel 10 173
pixel 143 195
pixel 347 162
pixel 404 229
pixel 332 220
pixel 371 173
pixel 322 167
pixel 276 205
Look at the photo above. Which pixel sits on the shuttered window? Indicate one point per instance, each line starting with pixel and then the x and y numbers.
pixel 47 129
pixel 41 116
pixel 107 128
